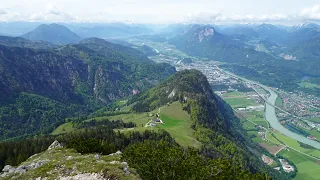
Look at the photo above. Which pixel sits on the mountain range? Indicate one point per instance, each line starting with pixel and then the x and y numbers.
pixel 87 75
pixel 111 30
pixel 257 50
pixel 102 101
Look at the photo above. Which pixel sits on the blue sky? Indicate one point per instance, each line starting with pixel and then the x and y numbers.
pixel 162 11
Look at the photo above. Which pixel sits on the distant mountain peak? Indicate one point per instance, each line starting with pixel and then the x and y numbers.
pixel 306 25
pixel 54 33
pixel 200 32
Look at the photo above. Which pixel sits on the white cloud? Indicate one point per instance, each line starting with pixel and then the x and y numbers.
pixel 6 15
pixel 164 11
pixel 51 13
pixel 3 12
pixel 312 13
pixel 207 18
pixel 203 17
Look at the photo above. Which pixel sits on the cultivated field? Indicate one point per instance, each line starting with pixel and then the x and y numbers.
pixel 308 169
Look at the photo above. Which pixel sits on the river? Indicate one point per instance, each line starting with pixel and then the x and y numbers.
pixel 270 114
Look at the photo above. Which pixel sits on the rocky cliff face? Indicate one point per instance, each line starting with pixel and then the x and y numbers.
pixel 68 73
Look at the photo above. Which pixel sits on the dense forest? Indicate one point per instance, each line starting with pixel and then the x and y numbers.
pixel 40 87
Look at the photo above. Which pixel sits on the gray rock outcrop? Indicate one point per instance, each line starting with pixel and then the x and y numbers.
pixel 7 170
pixel 55 145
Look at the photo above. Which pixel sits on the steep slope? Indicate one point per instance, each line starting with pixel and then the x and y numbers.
pixel 191 87
pixel 215 125
pixel 54 33
pixel 83 77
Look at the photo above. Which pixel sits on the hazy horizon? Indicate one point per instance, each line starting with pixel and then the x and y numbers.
pixel 285 12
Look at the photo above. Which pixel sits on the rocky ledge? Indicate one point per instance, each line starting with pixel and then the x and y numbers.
pixel 67 164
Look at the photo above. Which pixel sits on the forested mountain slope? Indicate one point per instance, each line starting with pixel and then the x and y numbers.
pixel 86 75
pixel 225 152
pixel 215 125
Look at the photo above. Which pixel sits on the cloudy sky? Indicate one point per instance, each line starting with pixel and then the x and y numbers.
pixel 161 11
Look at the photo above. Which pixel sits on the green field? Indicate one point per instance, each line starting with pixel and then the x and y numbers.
pixel 258 118
pixel 317 119
pixel 236 99
pixel 178 124
pixel 307 167
pixel 121 102
pixel 140 119
pixel 315 133
pixel 309 85
pixel 64 128
pixel 279 102
pixel 294 144
pixel 248 126
pixel 232 94
pixel 239 102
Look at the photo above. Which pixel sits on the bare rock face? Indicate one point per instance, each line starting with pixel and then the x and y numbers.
pixel 85 176
pixel 96 156
pixel 55 145
pixel 205 33
pixel 7 170
pixel 126 170
pixel 116 153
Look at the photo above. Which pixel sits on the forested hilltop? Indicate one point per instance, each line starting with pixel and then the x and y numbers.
pixel 224 153
pixel 215 125
pixel 42 85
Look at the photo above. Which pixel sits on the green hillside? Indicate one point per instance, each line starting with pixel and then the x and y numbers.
pixel 41 87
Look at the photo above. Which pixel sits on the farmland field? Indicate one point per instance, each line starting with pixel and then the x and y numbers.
pixel 258 118
pixel 308 169
pixel 279 102
pixel 239 102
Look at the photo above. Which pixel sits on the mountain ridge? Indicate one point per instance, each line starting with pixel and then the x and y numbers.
pixel 76 75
